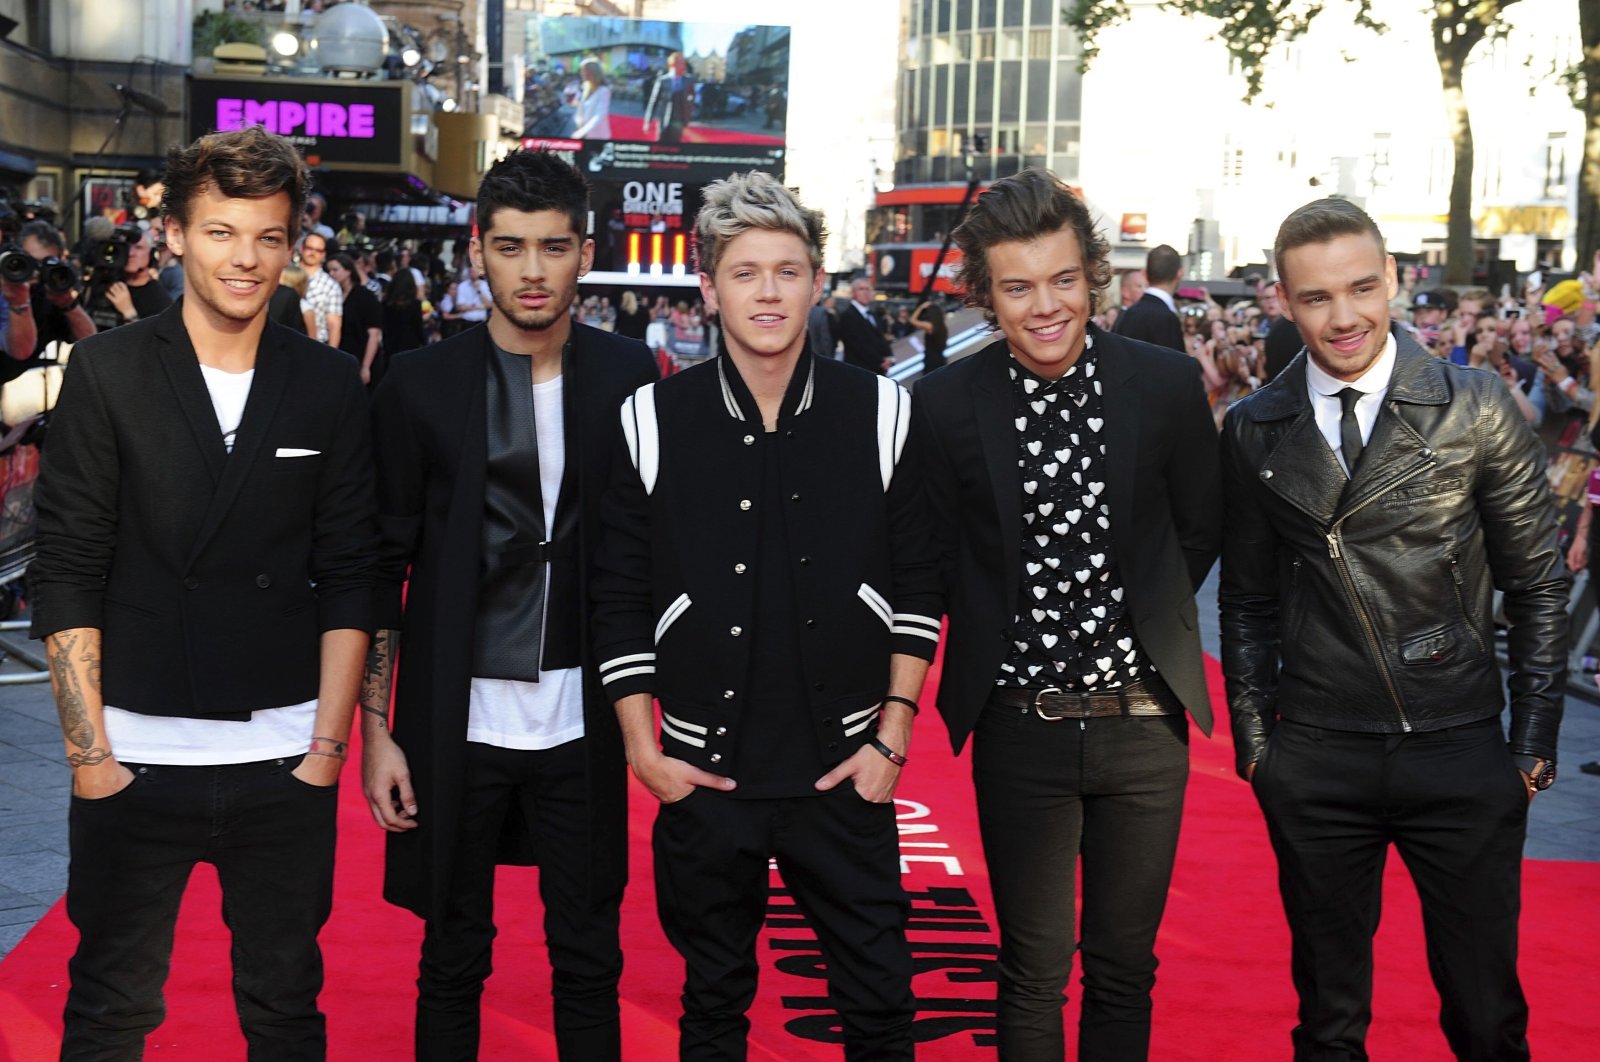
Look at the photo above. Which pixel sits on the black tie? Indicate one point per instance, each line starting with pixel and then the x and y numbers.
pixel 1350 429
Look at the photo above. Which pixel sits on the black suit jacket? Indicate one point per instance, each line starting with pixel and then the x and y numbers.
pixel 668 107
pixel 864 344
pixel 212 575
pixel 1166 511
pixel 430 430
pixel 1149 321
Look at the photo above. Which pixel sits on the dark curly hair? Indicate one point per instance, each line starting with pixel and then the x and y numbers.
pixel 1031 204
pixel 531 181
pixel 248 163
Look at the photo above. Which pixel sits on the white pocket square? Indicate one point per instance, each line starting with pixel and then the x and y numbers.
pixel 295 451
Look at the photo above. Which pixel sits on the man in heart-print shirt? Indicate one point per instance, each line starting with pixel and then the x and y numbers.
pixel 1074 477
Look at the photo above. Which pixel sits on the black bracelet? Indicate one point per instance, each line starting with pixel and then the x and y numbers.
pixel 907 701
pixel 889 754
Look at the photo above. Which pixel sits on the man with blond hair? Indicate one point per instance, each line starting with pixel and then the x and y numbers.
pixel 787 657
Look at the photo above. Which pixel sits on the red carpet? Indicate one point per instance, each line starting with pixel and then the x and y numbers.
pixel 1223 994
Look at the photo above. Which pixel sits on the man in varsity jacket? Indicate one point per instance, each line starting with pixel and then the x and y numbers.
pixel 766 572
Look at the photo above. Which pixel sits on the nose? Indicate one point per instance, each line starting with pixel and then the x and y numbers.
pixel 1043 301
pixel 245 254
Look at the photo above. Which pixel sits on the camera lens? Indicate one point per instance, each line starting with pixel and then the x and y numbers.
pixel 57 276
pixel 15 267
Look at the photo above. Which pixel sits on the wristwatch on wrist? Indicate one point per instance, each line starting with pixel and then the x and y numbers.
pixel 1541 772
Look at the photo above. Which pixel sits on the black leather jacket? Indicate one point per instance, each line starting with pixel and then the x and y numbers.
pixel 1367 604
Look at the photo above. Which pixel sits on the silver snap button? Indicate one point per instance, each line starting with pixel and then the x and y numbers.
pixel 736 631
pixel 744 504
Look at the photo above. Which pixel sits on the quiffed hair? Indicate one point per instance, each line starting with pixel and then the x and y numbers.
pixel 747 201
pixel 248 163
pixel 531 181
pixel 1024 207
pixel 1322 222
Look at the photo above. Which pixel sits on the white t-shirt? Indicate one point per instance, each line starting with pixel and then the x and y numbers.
pixel 509 713
pixel 269 733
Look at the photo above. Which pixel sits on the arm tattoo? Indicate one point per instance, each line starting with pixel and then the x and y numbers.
pixel 89 758
pixel 69 691
pixel 378 679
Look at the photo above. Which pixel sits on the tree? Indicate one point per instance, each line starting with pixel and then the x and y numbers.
pixel 1251 29
pixel 1588 91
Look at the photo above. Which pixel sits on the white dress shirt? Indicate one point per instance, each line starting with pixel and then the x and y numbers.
pixel 1324 392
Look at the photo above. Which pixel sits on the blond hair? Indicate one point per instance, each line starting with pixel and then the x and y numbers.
pixel 747 201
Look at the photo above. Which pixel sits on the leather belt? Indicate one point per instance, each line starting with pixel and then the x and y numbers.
pixel 1142 698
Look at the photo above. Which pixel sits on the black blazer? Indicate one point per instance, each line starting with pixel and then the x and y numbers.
pixel 1166 511
pixel 864 344
pixel 1149 321
pixel 430 431
pixel 212 575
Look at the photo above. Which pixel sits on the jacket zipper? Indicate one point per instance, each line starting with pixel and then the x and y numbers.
pixel 1461 602
pixel 1336 551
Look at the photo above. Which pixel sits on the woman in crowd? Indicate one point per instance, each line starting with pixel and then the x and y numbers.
pixel 285 305
pixel 594 103
pixel 362 334
pixel 402 315
pixel 632 318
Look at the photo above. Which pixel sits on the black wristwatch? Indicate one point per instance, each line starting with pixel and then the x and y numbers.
pixel 1541 772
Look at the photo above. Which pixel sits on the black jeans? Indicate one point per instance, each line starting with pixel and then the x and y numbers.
pixel 1455 806
pixel 1111 792
pixel 548 790
pixel 271 838
pixel 840 858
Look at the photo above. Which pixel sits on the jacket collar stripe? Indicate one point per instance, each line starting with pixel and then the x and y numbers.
pixel 728 400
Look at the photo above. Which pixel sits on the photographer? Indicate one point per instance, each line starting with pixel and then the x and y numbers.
pixel 119 297
pixel 37 314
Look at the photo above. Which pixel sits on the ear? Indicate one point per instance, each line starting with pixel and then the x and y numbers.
pixel 475 253
pixel 1286 306
pixel 816 285
pixel 1391 285
pixel 174 234
pixel 708 292
pixel 586 259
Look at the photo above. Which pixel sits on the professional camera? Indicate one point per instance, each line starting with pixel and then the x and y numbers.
pixel 18 267
pixel 109 258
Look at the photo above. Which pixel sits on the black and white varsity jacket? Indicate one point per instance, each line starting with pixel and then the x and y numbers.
pixel 675 594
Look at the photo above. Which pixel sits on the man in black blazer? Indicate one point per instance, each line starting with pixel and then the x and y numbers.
pixel 203 585
pixel 492 450
pixel 671 104
pixel 860 330
pixel 1154 318
pixel 1073 477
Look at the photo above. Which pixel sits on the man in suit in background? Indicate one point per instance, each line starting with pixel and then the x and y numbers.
pixel 860 330
pixel 492 451
pixel 671 105
pixel 203 585
pixel 1154 318
pixel 1073 479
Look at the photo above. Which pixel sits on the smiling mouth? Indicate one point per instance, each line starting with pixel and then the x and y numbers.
pixel 236 284
pixel 1050 331
pixel 1348 344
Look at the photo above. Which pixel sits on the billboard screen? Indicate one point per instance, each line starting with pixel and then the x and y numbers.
pixel 643 81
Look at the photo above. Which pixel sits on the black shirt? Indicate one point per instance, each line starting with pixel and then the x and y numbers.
pixel 778 754
pixel 1071 629
pixel 149 299
pixel 361 312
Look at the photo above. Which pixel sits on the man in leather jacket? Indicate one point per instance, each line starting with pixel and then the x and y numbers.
pixel 1376 497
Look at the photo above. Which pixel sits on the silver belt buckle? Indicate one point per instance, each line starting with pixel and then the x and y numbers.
pixel 1040 696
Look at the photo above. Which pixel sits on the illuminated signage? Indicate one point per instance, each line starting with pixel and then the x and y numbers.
pixel 343 125
pixel 288 117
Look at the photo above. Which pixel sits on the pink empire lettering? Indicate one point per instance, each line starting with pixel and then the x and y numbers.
pixel 290 117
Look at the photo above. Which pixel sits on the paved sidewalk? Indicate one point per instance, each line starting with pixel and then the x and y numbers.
pixel 34 787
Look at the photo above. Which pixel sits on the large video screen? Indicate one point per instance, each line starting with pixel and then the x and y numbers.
pixel 642 81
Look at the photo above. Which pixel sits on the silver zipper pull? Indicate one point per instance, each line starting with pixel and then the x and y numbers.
pixel 1333 544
